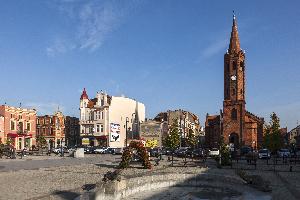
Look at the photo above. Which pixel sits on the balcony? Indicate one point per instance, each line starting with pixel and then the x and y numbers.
pixel 85 122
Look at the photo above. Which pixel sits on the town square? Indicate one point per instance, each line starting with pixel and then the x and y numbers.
pixel 149 100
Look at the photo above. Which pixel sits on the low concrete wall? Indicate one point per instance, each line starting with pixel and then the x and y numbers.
pixel 117 190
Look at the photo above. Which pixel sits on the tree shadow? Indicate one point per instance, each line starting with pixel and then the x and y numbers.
pixel 65 194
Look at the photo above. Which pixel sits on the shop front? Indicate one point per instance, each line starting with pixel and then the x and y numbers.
pixel 20 141
pixel 102 140
pixel 88 141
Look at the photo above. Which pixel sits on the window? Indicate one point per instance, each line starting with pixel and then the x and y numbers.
pixel 100 128
pixel 242 64
pixel 12 125
pixel 91 129
pixel 102 115
pixel 102 102
pixel 233 92
pixel 233 114
pixel 234 65
pixel 28 127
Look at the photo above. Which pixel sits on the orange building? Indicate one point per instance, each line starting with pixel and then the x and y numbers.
pixel 52 127
pixel 18 126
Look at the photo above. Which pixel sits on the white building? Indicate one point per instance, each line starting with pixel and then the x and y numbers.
pixel 103 119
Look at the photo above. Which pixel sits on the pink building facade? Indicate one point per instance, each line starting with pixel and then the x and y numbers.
pixel 19 126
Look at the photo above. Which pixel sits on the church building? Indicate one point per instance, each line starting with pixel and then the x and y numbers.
pixel 237 126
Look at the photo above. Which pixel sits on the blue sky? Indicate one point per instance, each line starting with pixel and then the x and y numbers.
pixel 167 54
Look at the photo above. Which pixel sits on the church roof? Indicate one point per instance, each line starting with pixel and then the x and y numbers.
pixel 253 116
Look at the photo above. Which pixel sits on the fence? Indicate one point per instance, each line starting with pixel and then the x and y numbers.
pixel 275 163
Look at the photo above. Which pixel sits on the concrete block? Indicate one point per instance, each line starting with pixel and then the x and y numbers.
pixel 79 153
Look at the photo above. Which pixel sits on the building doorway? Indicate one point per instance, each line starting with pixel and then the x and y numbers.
pixel 234 141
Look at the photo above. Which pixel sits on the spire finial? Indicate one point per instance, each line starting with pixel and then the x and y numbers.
pixel 233 15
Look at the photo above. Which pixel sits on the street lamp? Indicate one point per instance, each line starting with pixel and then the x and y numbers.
pixel 133 122
pixel 127 120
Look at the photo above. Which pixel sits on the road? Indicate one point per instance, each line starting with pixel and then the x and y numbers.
pixel 37 162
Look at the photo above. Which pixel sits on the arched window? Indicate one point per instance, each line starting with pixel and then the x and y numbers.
pixel 233 92
pixel 233 114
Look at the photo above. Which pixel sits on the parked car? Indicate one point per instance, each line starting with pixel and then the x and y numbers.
pixel 89 150
pixel 213 152
pixel 110 150
pixel 181 152
pixel 245 150
pixel 118 151
pixel 155 152
pixel 166 151
pixel 283 153
pixel 57 150
pixel 100 150
pixel 264 153
pixel 199 153
pixel 295 154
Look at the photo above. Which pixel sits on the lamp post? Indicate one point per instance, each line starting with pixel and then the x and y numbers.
pixel 127 120
pixel 133 122
pixel 61 148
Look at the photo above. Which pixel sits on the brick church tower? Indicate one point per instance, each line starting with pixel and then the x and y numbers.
pixel 234 90
pixel 235 124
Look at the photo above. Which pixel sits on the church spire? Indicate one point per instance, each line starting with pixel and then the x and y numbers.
pixel 234 45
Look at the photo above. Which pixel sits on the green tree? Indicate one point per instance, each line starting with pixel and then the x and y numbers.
pixel 191 139
pixel 173 139
pixel 41 141
pixel 267 136
pixel 224 154
pixel 9 141
pixel 272 137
